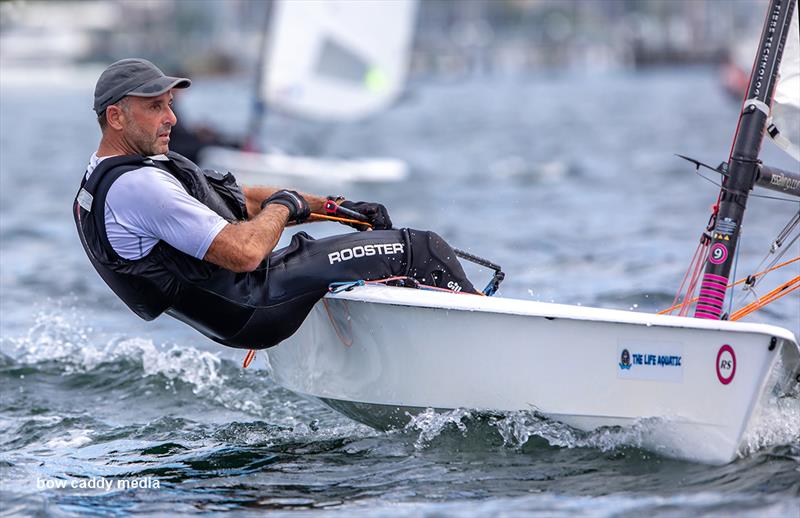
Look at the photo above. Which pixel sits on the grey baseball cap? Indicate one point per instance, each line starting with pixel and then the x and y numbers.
pixel 134 76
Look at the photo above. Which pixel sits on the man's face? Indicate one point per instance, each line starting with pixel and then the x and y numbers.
pixel 148 122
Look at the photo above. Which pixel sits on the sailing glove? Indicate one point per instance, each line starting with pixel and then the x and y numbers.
pixel 297 205
pixel 375 214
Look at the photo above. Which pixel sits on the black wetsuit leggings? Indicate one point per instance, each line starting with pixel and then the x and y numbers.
pixel 299 275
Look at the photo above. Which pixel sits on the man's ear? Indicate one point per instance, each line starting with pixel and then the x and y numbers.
pixel 115 117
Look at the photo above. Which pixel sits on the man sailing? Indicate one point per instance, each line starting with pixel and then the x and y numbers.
pixel 168 237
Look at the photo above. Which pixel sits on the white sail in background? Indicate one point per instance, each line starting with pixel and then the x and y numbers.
pixel 786 104
pixel 337 59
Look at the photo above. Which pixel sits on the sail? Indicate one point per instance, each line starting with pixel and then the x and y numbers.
pixel 336 59
pixel 785 125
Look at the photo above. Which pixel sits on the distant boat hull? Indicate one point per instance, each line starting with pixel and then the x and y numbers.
pixel 276 167
pixel 379 354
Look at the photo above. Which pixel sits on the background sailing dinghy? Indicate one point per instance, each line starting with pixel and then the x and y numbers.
pixel 332 61
pixel 380 354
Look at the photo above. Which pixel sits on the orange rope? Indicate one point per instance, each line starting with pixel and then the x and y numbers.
pixel 698 258
pixel 314 215
pixel 676 306
pixel 695 278
pixel 251 355
pixel 784 289
pixel 346 340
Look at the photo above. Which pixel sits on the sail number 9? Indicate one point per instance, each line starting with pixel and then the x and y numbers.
pixel 718 254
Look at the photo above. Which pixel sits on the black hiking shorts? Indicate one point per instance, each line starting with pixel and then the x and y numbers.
pixel 299 275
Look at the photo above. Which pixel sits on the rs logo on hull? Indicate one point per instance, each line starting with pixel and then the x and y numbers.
pixel 726 364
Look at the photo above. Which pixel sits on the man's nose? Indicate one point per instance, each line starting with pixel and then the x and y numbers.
pixel 171 117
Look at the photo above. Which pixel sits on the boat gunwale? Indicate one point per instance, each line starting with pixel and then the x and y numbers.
pixel 463 302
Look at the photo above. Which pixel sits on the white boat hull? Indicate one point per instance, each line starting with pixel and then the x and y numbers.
pixel 278 168
pixel 378 352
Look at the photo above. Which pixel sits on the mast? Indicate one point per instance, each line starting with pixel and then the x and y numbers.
pixel 743 163
pixel 259 110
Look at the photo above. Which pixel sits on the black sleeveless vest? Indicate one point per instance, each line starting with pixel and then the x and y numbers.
pixel 215 301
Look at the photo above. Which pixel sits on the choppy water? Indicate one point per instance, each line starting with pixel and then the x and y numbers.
pixel 569 182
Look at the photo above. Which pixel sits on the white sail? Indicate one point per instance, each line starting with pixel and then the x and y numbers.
pixel 336 59
pixel 785 127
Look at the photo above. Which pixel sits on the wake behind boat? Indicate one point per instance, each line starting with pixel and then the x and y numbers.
pixel 380 354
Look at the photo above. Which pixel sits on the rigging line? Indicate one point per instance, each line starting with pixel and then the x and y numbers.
pixel 735 266
pixel 704 177
pixel 753 292
pixel 790 261
pixel 758 277
pixel 315 215
pixel 780 240
pixel 787 229
pixel 782 252
pixel 751 287
pixel 697 274
pixel 725 189
pixel 753 195
pixel 778 198
pixel 422 286
pixel 791 244
pixel 346 340
pixel 685 277
pixel 248 359
pixel 782 290
pixel 695 279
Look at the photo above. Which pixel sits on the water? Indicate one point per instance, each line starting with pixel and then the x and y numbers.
pixel 567 181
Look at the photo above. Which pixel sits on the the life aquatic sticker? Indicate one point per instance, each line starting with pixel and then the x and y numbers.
pixel 646 360
pixel 718 253
pixel 726 364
